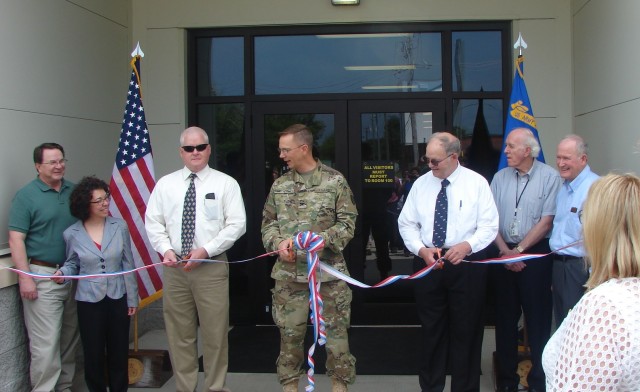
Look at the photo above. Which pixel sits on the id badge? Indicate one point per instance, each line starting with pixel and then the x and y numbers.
pixel 513 229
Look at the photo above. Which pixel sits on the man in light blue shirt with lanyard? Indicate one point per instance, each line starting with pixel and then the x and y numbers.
pixel 570 272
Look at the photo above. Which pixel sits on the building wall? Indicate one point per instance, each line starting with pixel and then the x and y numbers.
pixel 14 348
pixel 64 68
pixel 607 86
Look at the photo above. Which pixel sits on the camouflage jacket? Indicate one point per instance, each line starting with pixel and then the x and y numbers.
pixel 324 205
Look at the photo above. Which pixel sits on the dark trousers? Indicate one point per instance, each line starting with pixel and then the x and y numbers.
pixel 450 304
pixel 527 291
pixel 376 223
pixel 104 328
pixel 569 277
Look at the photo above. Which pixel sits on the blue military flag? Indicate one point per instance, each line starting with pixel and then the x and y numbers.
pixel 519 112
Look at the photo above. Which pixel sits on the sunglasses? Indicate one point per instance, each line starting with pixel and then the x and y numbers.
pixel 199 147
pixel 436 162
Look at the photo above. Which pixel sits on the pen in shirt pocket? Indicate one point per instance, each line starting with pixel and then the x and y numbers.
pixel 460 204
pixel 211 196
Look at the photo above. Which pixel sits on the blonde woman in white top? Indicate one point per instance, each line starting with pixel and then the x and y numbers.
pixel 597 347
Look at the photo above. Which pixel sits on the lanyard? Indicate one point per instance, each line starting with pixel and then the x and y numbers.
pixel 518 198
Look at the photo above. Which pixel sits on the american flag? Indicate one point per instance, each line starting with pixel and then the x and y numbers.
pixel 131 184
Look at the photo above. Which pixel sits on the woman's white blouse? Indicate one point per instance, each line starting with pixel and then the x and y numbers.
pixel 597 347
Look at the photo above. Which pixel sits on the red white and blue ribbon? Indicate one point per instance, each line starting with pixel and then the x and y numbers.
pixel 312 243
pixel 126 272
pixel 386 282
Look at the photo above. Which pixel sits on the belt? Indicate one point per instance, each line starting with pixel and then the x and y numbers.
pixel 44 263
pixel 566 257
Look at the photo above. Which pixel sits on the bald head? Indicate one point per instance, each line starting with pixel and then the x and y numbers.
pixel 443 150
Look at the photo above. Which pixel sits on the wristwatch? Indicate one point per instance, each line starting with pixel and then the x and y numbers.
pixel 519 248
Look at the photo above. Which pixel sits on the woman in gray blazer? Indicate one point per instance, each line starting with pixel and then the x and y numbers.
pixel 99 244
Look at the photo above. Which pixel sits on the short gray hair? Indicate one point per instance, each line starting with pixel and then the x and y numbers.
pixel 193 130
pixel 530 141
pixel 581 146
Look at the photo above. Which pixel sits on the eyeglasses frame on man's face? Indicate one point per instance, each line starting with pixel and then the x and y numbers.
pixel 436 162
pixel 60 162
pixel 101 200
pixel 286 151
pixel 199 147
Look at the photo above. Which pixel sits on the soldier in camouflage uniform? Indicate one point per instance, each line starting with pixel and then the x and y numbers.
pixel 317 198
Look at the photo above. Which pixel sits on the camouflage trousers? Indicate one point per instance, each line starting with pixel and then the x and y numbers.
pixel 291 314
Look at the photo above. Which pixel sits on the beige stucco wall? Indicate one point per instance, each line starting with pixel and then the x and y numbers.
pixel 607 86
pixel 63 78
pixel 64 68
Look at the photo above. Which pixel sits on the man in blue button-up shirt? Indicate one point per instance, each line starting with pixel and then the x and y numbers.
pixel 570 272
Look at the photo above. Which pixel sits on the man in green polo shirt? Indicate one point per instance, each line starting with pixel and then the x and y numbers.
pixel 39 214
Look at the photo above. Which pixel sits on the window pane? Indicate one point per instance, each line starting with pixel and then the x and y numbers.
pixel 348 63
pixel 477 61
pixel 321 125
pixel 480 133
pixel 224 123
pixel 220 66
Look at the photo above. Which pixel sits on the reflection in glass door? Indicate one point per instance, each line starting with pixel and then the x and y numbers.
pixel 390 145
pixel 327 122
pixel 322 125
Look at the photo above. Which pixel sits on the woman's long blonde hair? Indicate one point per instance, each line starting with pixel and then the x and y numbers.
pixel 611 227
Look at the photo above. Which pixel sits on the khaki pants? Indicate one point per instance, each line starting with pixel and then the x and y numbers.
pixel 52 325
pixel 199 295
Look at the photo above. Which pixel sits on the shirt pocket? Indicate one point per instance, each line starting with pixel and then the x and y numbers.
pixel 212 209
pixel 285 204
pixel 322 208
pixel 534 206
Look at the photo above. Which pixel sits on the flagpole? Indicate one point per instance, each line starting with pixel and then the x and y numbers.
pixel 132 181
pixel 519 112
pixel 520 44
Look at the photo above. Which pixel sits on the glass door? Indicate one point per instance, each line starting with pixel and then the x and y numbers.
pixel 327 121
pixel 377 145
pixel 387 140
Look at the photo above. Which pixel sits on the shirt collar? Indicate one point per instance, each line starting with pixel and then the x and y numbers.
pixel 454 176
pixel 316 175
pixel 201 174
pixel 533 168
pixel 573 185
pixel 44 187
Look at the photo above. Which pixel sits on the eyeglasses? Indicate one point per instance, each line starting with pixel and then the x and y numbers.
pixel 436 162
pixel 285 151
pixel 580 216
pixel 60 162
pixel 101 200
pixel 199 147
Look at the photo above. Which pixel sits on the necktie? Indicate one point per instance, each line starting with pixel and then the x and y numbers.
pixel 440 216
pixel 189 217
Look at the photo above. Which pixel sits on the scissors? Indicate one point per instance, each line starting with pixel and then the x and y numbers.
pixel 440 260
pixel 292 251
